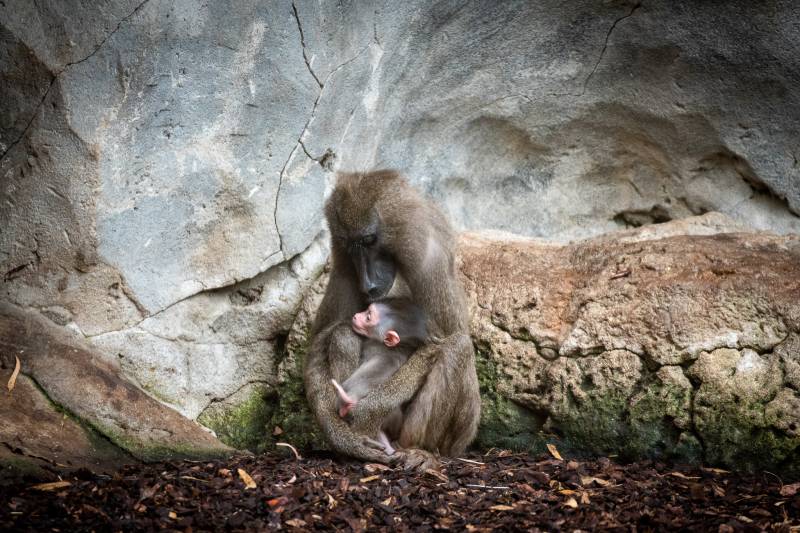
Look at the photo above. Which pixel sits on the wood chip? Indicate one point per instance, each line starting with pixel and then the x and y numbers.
pixel 369 478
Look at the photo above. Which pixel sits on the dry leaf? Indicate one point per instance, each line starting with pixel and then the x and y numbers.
pixel 571 503
pixel 717 470
pixel 554 452
pixel 331 501
pixel 277 503
pixel 387 501
pixel 502 508
pixel 292 480
pixel 790 490
pixel 719 491
pixel 13 379
pixel 296 522
pixel 587 480
pixel 567 492
pixel 435 473
pixel 55 485
pixel 743 518
pixel 173 515
pixel 679 475
pixel 368 479
pixel 584 497
pixel 224 472
pixel 248 481
pixel 371 468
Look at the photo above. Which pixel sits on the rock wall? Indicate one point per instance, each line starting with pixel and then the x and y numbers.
pixel 164 163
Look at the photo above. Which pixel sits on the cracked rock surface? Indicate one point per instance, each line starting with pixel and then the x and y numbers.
pixel 163 167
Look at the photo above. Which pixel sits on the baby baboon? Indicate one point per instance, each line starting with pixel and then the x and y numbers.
pixel 393 328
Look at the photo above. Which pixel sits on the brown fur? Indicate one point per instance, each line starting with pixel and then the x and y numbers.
pixel 439 380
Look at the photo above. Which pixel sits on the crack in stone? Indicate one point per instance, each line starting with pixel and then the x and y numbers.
pixel 299 142
pixel 63 69
pixel 303 44
pixel 605 45
pixel 217 400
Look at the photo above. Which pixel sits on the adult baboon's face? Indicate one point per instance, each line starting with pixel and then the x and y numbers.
pixel 374 265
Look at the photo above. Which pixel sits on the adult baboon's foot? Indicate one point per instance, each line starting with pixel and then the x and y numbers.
pixel 419 460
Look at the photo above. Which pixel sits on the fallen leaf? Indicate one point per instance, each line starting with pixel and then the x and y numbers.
pixel 13 379
pixel 331 501
pixel 502 508
pixel 248 481
pixel 584 497
pixel 679 475
pixel 571 503
pixel 790 490
pixel 435 473
pixel 744 519
pixel 277 503
pixel 371 468
pixel 387 501
pixel 296 522
pixel 554 452
pixel 717 470
pixel 292 480
pixel 54 485
pixel 588 480
pixel 173 515
pixel 567 492
pixel 369 478
pixel 277 431
pixel 719 491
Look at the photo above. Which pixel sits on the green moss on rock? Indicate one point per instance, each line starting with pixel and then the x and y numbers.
pixel 243 424
pixel 503 424
pixel 292 415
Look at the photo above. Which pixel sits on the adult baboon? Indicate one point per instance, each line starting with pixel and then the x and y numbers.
pixel 387 239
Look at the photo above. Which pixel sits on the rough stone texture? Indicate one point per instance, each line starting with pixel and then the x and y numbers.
pixel 77 379
pixel 37 438
pixel 682 346
pixel 163 164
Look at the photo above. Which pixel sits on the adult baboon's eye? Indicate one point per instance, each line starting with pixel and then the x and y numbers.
pixel 369 240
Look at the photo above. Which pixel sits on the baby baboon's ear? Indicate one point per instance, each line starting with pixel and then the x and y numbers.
pixel 391 339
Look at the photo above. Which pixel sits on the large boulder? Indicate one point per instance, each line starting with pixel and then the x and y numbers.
pixel 677 346
pixel 69 406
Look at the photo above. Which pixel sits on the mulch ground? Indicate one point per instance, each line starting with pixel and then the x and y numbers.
pixel 476 493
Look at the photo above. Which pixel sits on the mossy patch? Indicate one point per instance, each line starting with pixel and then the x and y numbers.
pixel 738 436
pixel 504 424
pixel 242 424
pixel 297 425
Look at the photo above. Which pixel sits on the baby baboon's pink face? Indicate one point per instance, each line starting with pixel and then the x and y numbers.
pixel 364 322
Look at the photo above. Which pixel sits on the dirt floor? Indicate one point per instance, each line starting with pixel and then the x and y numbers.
pixel 499 490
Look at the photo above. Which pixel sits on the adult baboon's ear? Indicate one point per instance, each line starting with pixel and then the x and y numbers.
pixel 391 339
